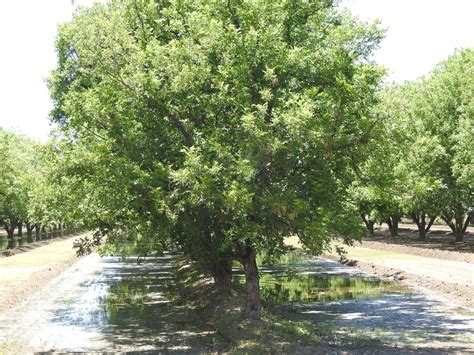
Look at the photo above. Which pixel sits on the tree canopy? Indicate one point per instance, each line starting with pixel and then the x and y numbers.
pixel 34 191
pixel 217 127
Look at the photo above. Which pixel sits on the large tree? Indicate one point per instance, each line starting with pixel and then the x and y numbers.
pixel 219 127
pixel 439 160
pixel 414 152
pixel 448 115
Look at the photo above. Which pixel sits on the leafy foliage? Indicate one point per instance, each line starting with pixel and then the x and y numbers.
pixel 219 125
pixel 421 159
pixel 33 190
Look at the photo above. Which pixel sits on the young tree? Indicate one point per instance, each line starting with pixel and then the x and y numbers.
pixel 219 127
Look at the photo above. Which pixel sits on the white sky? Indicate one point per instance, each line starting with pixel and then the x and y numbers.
pixel 420 34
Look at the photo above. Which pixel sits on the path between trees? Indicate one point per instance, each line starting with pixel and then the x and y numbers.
pixel 444 270
pixel 99 303
pixel 102 304
pixel 25 273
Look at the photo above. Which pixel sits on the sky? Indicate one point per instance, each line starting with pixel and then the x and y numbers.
pixel 420 34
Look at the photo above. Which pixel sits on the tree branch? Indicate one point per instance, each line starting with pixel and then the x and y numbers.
pixel 466 223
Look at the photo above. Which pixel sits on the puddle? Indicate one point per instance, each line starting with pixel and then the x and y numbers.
pixel 296 277
pixel 314 288
pixel 106 304
pixel 131 295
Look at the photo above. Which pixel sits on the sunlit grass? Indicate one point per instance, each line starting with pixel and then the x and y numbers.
pixel 21 266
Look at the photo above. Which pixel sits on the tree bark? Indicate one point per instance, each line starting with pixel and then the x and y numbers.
pixel 368 223
pixel 458 236
pixel 252 283
pixel 12 243
pixel 10 229
pixel 20 230
pixel 222 272
pixel 29 231
pixel 422 233
pixel 392 222
pixel 423 228
pixel 38 231
pixel 44 232
pixel 459 226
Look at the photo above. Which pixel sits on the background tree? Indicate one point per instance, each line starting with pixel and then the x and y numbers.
pixel 415 152
pixel 34 190
pixel 424 155
pixel 17 155
pixel 448 115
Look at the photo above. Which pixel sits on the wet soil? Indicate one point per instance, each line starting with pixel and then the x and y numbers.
pixel 445 272
pixel 355 312
pixel 374 317
pixel 103 304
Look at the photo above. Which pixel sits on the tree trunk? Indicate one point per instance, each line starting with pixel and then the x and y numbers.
pixel 368 223
pixel 458 236
pixel 222 273
pixel 422 233
pixel 423 228
pixel 38 231
pixel 459 226
pixel 20 230
pixel 44 232
pixel 29 232
pixel 10 231
pixel 12 243
pixel 392 222
pixel 249 262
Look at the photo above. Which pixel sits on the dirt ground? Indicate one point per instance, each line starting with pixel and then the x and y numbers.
pixel 24 273
pixel 459 294
pixel 439 237
pixel 30 246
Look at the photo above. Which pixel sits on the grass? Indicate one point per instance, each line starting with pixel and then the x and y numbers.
pixel 224 310
pixel 353 251
pixel 18 268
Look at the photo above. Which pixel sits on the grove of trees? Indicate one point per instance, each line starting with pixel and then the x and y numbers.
pixel 422 153
pixel 33 189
